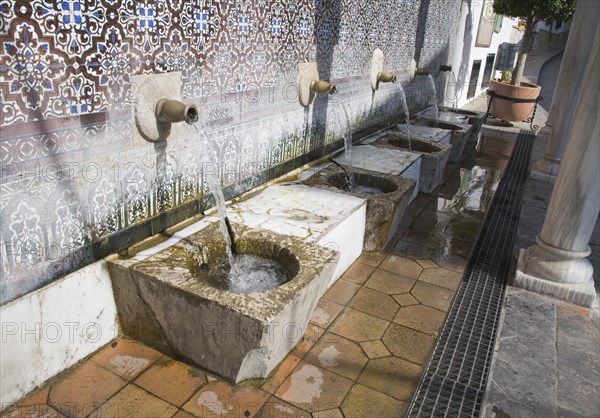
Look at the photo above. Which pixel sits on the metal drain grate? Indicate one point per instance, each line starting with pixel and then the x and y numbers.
pixel 453 383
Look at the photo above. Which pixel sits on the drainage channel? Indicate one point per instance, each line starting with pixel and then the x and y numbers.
pixel 454 381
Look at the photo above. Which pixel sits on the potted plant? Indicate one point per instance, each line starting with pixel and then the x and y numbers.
pixel 514 100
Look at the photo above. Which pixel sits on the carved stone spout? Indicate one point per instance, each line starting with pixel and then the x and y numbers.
pixel 383 77
pixel 174 111
pixel 320 86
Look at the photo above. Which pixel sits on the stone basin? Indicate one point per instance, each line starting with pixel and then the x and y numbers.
pixel 434 157
pixel 167 302
pixel 458 140
pixel 444 116
pixel 394 161
pixel 384 209
pixel 476 119
pixel 426 133
pixel 459 117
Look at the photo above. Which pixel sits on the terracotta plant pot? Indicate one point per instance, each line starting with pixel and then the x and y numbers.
pixel 508 110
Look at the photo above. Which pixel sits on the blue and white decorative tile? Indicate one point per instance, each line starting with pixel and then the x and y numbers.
pixel 146 22
pixel 111 65
pixel 73 23
pixel 105 208
pixel 200 22
pixel 7 14
pixel 31 70
pixel 175 55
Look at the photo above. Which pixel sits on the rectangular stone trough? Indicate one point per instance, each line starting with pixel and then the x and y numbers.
pixel 395 162
pixel 459 138
pixel 384 210
pixel 328 219
pixel 169 301
pixel 434 157
pixel 458 116
pixel 426 133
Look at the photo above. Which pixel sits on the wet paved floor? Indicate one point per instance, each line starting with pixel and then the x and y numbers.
pixel 547 359
pixel 362 355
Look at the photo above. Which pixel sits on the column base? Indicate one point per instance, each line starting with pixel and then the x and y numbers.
pixel 582 294
pixel 545 131
pixel 545 170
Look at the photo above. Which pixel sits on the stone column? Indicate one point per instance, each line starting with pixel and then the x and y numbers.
pixel 568 87
pixel 556 265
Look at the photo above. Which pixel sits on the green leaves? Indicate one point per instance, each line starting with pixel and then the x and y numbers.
pixel 546 10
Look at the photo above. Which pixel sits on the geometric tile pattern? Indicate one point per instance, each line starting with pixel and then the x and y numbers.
pixel 77 56
pixel 70 172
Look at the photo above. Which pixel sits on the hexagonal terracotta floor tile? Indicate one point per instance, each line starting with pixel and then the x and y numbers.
pixel 328 413
pixel 325 312
pixel 408 344
pixel 402 265
pixel 276 408
pixel 134 402
pixel 405 299
pixel 217 399
pixel 358 273
pixel 374 302
pixel 339 355
pixel 84 389
pixel 33 406
pixel 393 376
pixel 426 263
pixel 171 380
pixel 284 369
pixel 341 292
pixel 375 349
pixel 372 259
pixel 310 337
pixel 314 389
pixel 433 296
pixel 125 357
pixel 390 283
pixel 420 318
pixel 358 326
pixel 365 402
pixel 441 277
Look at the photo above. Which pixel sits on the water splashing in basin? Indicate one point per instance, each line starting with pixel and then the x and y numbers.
pixel 242 273
pixel 435 100
pixel 361 188
pixel 248 273
pixel 406 112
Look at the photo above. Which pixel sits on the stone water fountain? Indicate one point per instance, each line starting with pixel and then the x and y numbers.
pixel 184 299
pixel 174 303
pixel 178 296
pixel 387 198
pixel 433 162
pixel 459 137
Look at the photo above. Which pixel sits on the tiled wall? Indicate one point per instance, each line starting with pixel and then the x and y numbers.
pixel 75 186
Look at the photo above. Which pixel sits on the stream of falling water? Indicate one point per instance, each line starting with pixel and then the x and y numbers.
pixel 212 178
pixel 347 146
pixel 455 88
pixel 247 273
pixel 435 100
pixel 406 112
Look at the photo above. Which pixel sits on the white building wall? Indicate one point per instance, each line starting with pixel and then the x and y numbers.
pixel 466 52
